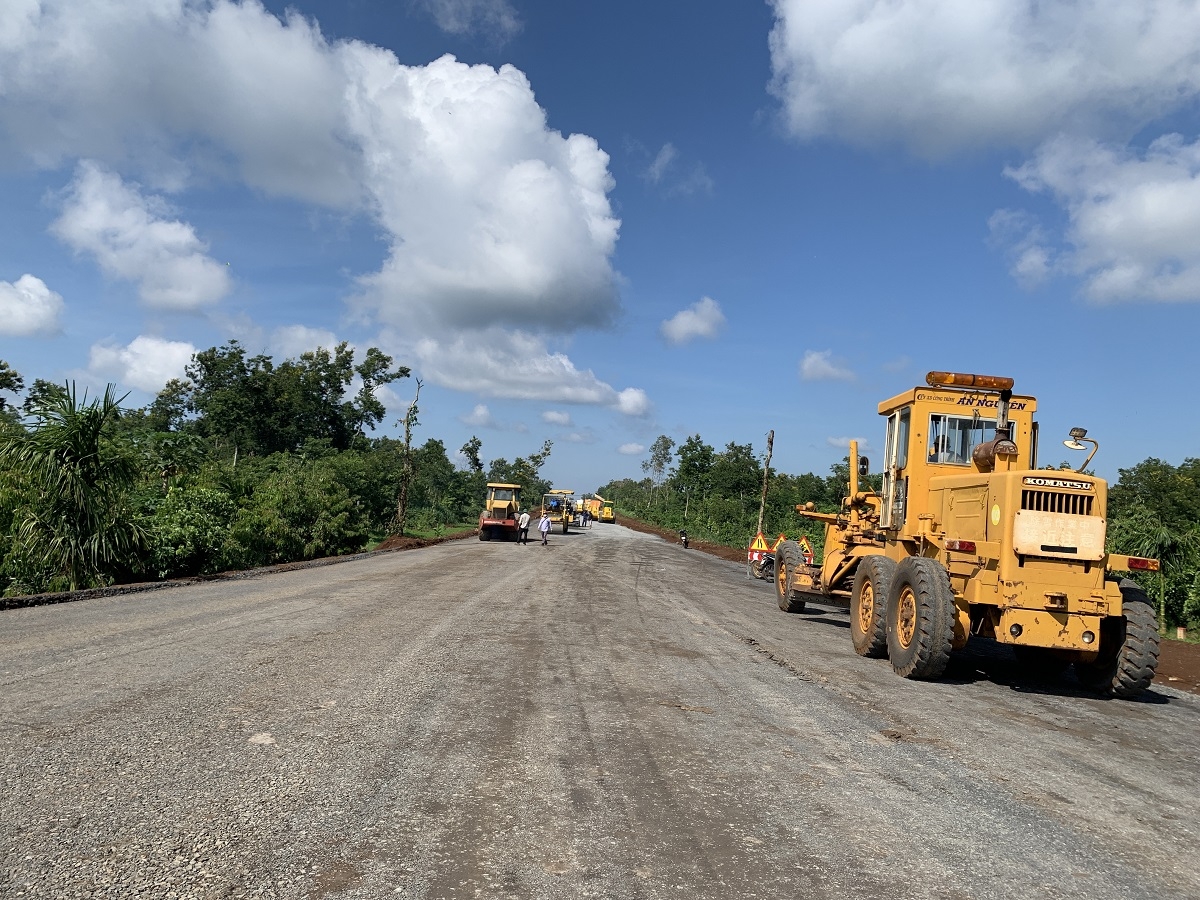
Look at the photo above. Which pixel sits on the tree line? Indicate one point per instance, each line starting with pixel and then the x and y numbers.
pixel 1153 509
pixel 244 462
pixel 247 462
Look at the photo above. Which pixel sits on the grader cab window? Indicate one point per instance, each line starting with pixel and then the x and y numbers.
pixel 952 438
pixel 503 494
pixel 895 483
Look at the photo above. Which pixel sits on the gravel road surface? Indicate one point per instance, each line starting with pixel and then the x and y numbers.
pixel 610 717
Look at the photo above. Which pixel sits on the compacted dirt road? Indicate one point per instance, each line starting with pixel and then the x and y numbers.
pixel 611 716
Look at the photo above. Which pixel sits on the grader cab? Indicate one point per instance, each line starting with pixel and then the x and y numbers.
pixel 969 538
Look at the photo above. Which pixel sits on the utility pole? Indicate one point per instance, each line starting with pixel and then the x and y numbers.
pixel 762 506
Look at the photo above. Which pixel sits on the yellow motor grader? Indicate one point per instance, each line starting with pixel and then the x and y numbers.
pixel 969 538
pixel 559 506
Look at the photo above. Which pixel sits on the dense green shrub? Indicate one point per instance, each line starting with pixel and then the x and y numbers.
pixel 188 531
pixel 299 511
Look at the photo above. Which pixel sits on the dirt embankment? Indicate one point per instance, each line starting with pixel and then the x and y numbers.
pixel 1178 662
pixel 733 554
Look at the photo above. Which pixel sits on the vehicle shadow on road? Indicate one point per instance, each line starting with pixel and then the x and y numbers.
pixel 819 615
pixel 985 660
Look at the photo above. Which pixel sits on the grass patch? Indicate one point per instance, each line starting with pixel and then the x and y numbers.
pixel 437 531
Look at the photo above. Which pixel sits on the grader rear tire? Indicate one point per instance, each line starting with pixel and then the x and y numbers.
pixel 1128 648
pixel 787 558
pixel 920 618
pixel 868 606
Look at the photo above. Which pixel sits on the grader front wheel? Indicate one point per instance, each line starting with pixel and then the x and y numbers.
pixel 787 558
pixel 920 618
pixel 868 606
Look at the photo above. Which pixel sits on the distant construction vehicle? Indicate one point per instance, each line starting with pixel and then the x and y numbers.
pixel 592 506
pixel 559 505
pixel 607 512
pixel 969 538
pixel 498 521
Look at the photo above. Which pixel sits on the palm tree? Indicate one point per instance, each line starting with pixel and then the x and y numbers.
pixel 1143 533
pixel 76 527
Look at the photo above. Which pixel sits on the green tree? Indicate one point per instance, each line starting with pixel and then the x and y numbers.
pixel 693 470
pixel 525 471
pixel 168 410
pixel 470 450
pixel 406 475
pixel 1191 608
pixel 42 395
pixel 1154 510
pixel 76 529
pixel 230 397
pixel 662 451
pixel 736 473
pixel 1172 493
pixel 252 405
pixel 1143 532
pixel 10 381
pixel 375 370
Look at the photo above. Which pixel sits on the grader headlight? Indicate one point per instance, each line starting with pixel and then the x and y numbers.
pixel 960 379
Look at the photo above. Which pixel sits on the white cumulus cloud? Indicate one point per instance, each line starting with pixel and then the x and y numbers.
pixel 494 18
pixel 662 161
pixel 557 417
pixel 492 219
pixel 291 341
pixel 495 220
pixel 703 319
pixel 479 417
pixel 843 443
pixel 145 363
pixel 818 365
pixel 675 180
pixel 132 237
pixel 28 307
pixel 513 365
pixel 1133 219
pixel 631 449
pixel 939 75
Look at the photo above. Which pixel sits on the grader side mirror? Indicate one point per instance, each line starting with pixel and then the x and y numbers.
pixel 864 466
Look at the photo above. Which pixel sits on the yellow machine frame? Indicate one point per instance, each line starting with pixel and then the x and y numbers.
pixel 606 512
pixel 561 512
pixel 499 517
pixel 1023 548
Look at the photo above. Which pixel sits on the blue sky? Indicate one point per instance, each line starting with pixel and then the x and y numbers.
pixel 597 223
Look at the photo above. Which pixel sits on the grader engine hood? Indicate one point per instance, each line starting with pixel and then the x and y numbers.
pixel 1037 513
pixel 1058 518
